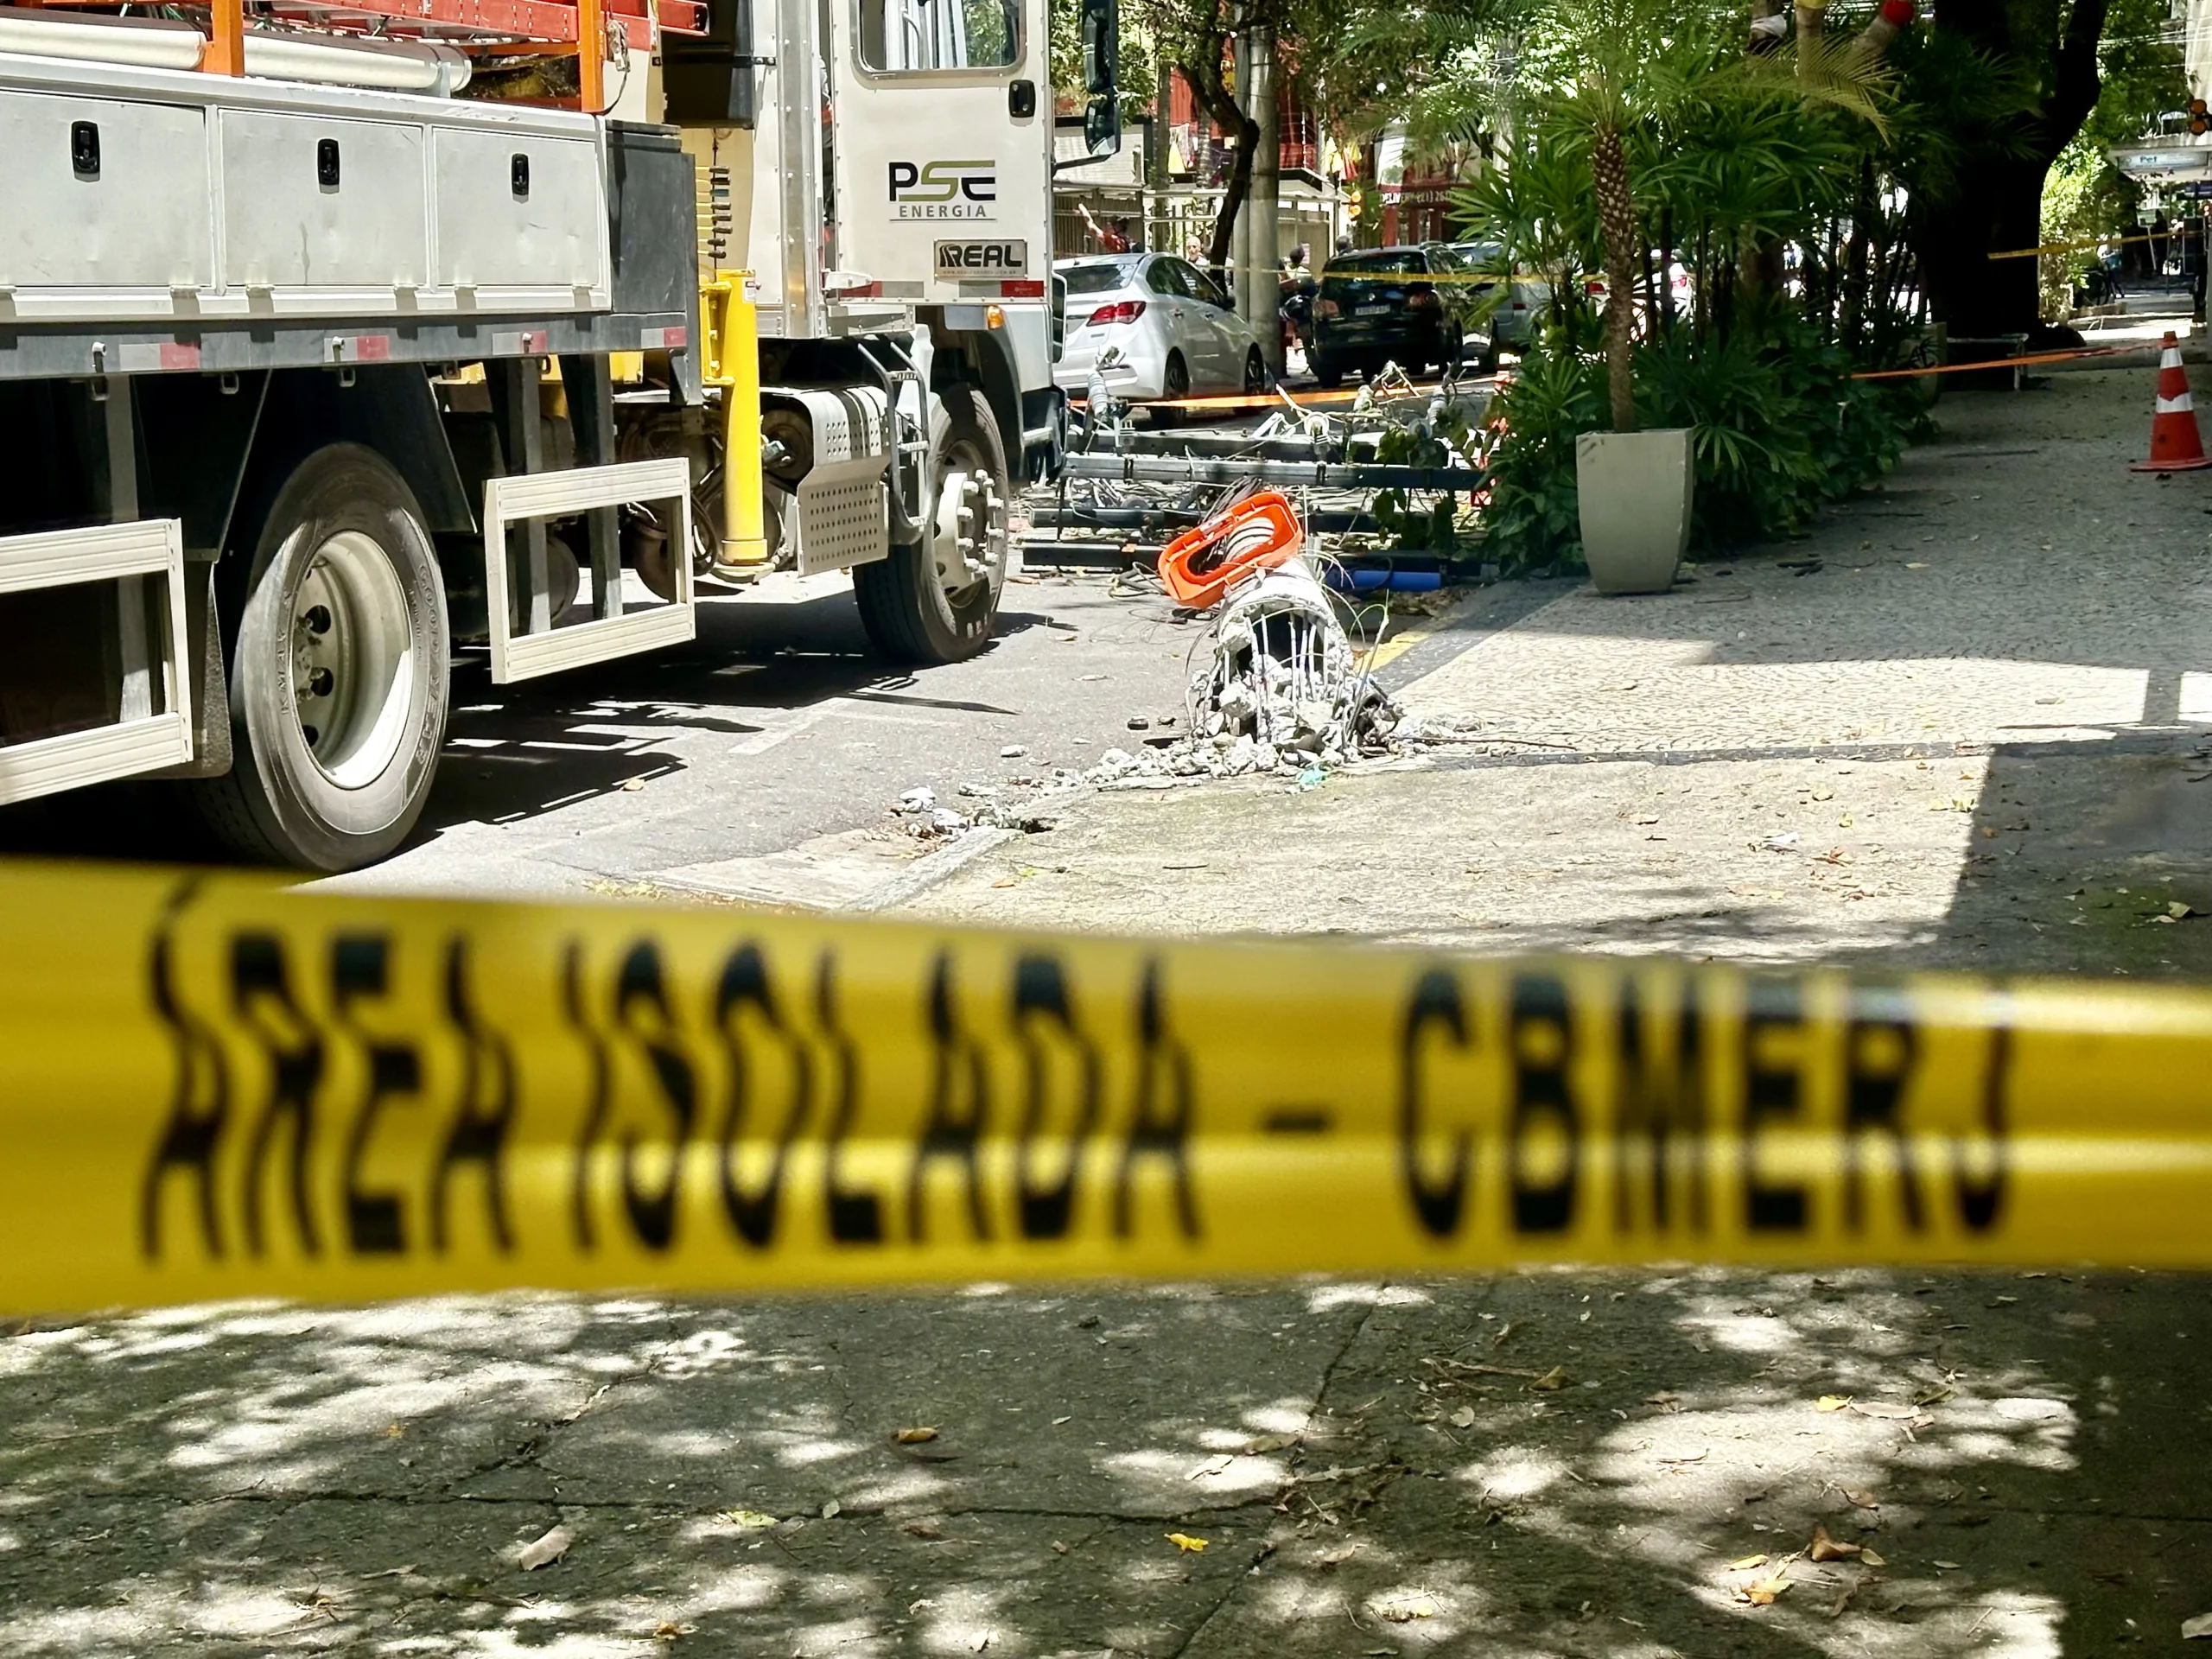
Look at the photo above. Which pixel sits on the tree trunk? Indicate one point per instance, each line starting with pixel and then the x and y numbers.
pixel 1617 219
pixel 1233 193
pixel 1976 295
pixel 1864 207
pixel 1998 203
pixel 1204 73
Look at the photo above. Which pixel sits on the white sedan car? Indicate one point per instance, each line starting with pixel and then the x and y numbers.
pixel 1150 325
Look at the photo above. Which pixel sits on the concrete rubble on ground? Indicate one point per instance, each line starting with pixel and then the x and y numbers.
pixel 1279 689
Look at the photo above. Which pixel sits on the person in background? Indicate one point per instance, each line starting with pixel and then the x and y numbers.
pixel 1294 295
pixel 1344 244
pixel 1113 237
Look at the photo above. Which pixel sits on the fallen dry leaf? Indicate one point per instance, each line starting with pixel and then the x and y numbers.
pixel 930 1530
pixel 1863 1498
pixel 1945 1567
pixel 914 1436
pixel 749 1520
pixel 832 1510
pixel 2193 1628
pixel 1761 1593
pixel 1666 1399
pixel 1253 1449
pixel 545 1550
pixel 1832 1402
pixel 1868 1558
pixel 1184 1540
pixel 1747 1563
pixel 1402 1614
pixel 668 1629
pixel 1826 1549
pixel 1463 1417
pixel 1554 1380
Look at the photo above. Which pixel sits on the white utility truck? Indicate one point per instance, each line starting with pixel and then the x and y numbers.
pixel 334 335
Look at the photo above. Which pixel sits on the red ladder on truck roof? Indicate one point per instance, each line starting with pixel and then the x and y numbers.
pixel 490 27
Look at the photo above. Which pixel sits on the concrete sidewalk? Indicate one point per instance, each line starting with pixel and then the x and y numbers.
pixel 1965 721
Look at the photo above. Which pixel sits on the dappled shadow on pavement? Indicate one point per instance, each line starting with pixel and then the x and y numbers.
pixel 1546 1464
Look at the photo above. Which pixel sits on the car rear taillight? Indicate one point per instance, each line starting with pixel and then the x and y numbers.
pixel 1326 309
pixel 1121 311
pixel 1423 299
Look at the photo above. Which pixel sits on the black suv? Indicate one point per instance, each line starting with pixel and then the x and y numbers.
pixel 1384 304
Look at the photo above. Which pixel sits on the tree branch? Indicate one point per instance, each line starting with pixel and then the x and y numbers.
pixel 2077 82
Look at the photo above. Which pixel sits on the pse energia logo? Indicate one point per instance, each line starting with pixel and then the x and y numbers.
pixel 944 189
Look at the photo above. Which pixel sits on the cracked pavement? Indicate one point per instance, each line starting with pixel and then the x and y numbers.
pixel 1955 748
pixel 1549 1463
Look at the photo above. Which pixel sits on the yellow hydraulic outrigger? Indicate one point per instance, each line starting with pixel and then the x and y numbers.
pixel 732 361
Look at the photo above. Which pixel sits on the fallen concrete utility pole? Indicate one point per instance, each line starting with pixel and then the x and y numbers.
pixel 1318 475
pixel 1322 521
pixel 1234 445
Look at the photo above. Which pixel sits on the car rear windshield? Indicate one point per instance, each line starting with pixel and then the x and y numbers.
pixel 1102 278
pixel 1392 262
pixel 1362 269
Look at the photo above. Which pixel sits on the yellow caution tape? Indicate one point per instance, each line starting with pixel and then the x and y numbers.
pixel 213 1088
pixel 2080 243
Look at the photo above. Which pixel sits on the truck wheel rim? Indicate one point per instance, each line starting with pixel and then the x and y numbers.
pixel 353 659
pixel 968 538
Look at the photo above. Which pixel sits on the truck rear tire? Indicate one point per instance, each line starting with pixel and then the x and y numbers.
pixel 338 678
pixel 935 603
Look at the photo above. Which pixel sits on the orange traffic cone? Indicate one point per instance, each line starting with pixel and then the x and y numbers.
pixel 2176 446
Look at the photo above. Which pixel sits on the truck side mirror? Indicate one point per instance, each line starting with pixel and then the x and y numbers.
pixel 1101 54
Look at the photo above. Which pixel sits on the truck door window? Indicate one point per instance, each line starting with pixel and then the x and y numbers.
pixel 909 37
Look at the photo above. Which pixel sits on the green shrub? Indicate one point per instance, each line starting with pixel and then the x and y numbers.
pixel 1780 428
pixel 1532 518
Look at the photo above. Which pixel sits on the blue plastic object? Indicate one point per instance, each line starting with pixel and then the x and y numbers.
pixel 1396 581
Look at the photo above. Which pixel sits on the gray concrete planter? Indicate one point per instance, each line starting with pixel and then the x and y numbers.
pixel 1634 489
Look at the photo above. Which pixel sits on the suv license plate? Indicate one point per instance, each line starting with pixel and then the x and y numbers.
pixel 1371 311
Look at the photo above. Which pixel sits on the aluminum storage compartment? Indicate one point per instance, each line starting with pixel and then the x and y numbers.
pixel 101 195
pixel 316 202
pixel 518 211
pixel 160 196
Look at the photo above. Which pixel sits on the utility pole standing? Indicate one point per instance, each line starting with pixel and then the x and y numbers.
pixel 1262 211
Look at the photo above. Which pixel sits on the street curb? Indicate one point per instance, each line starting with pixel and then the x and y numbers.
pixel 938 866
pixel 1484 612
